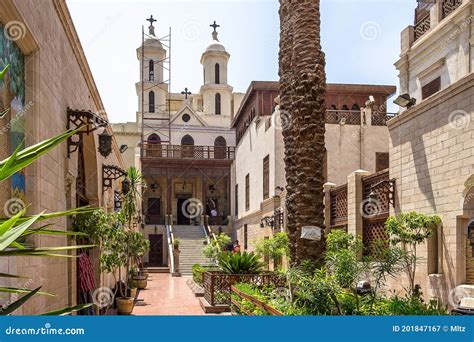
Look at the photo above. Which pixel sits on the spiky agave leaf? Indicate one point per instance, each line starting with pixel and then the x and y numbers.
pixel 20 159
pixel 67 311
pixel 15 305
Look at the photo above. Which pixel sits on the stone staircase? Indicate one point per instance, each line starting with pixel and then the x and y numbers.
pixel 191 244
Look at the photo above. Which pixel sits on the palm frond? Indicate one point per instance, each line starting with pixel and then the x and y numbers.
pixel 67 311
pixel 44 251
pixel 15 305
pixel 14 232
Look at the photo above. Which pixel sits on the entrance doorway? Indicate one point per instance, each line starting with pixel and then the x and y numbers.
pixel 183 212
pixel 155 255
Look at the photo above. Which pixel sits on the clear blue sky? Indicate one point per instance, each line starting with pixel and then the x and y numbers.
pixel 361 39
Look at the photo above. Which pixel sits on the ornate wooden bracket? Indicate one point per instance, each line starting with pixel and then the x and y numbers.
pixel 82 118
pixel 109 174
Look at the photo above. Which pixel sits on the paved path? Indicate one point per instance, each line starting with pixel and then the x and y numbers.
pixel 166 295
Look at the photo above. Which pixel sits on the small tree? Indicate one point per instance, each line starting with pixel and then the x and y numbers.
pixel 274 248
pixel 216 247
pixel 407 231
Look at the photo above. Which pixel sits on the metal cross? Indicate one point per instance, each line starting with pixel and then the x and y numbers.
pixel 186 93
pixel 151 20
pixel 215 26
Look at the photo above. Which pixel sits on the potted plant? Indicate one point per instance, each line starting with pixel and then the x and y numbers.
pixel 176 243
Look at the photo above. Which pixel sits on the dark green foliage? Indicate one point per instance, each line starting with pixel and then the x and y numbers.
pixel 240 263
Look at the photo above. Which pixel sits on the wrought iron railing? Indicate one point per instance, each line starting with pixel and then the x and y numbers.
pixel 422 26
pixel 151 150
pixel 449 6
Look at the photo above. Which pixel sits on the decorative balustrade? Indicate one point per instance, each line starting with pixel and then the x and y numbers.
pixel 217 286
pixel 422 26
pixel 348 117
pixel 339 207
pixel 153 150
pixel 449 6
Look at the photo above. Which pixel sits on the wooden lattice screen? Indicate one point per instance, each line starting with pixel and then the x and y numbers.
pixel 339 207
pixel 449 6
pixel 378 196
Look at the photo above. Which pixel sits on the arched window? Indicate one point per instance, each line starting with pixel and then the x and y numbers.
pixel 151 101
pixel 217 73
pixel 218 104
pixel 154 139
pixel 153 147
pixel 345 107
pixel 355 107
pixel 151 70
pixel 187 147
pixel 220 147
pixel 333 107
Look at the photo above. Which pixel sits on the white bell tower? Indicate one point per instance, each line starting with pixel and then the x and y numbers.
pixel 216 93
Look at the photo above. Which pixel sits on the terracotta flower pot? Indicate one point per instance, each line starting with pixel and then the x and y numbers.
pixel 139 282
pixel 125 305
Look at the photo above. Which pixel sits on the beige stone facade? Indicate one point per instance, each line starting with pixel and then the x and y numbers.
pixel 57 77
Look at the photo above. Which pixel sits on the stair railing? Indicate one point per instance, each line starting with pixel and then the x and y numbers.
pixel 170 238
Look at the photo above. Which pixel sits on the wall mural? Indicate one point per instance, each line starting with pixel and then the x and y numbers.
pixel 12 103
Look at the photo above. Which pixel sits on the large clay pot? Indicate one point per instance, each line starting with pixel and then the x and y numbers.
pixel 125 305
pixel 140 282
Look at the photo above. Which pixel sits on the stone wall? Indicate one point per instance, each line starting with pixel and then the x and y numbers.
pixel 57 77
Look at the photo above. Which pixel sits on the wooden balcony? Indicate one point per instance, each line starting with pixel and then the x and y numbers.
pixel 190 152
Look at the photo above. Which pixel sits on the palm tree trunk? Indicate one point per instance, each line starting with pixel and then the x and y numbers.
pixel 302 106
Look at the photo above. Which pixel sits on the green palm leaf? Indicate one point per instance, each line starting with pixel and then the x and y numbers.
pixel 18 290
pixel 9 236
pixel 4 71
pixel 67 311
pixel 15 305
pixel 7 275
pixel 5 112
pixel 44 251
pixel 75 211
pixel 20 159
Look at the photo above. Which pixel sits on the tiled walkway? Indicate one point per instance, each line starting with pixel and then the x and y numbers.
pixel 166 295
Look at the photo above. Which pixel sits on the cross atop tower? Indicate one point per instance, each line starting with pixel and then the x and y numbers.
pixel 186 93
pixel 214 33
pixel 215 26
pixel 151 28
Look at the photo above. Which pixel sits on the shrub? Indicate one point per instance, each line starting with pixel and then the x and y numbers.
pixel 275 248
pixel 198 271
pixel 216 247
pixel 240 263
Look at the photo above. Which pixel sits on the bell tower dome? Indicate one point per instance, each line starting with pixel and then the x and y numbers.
pixel 217 94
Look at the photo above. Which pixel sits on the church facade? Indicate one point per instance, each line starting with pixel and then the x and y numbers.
pixel 215 158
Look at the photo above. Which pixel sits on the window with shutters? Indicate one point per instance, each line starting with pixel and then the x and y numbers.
pixel 247 192
pixel 266 177
pixel 431 88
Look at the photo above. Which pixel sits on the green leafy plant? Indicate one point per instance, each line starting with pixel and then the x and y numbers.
pixel 240 263
pixel 274 248
pixel 407 231
pixel 216 247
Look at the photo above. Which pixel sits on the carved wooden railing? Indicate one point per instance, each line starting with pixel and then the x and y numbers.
pixel 348 117
pixel 217 286
pixel 151 150
pixel 422 26
pixel 449 6
pixel 378 196
pixel 339 207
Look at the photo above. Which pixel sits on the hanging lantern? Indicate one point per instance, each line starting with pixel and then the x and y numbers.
pixel 125 186
pixel 105 144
